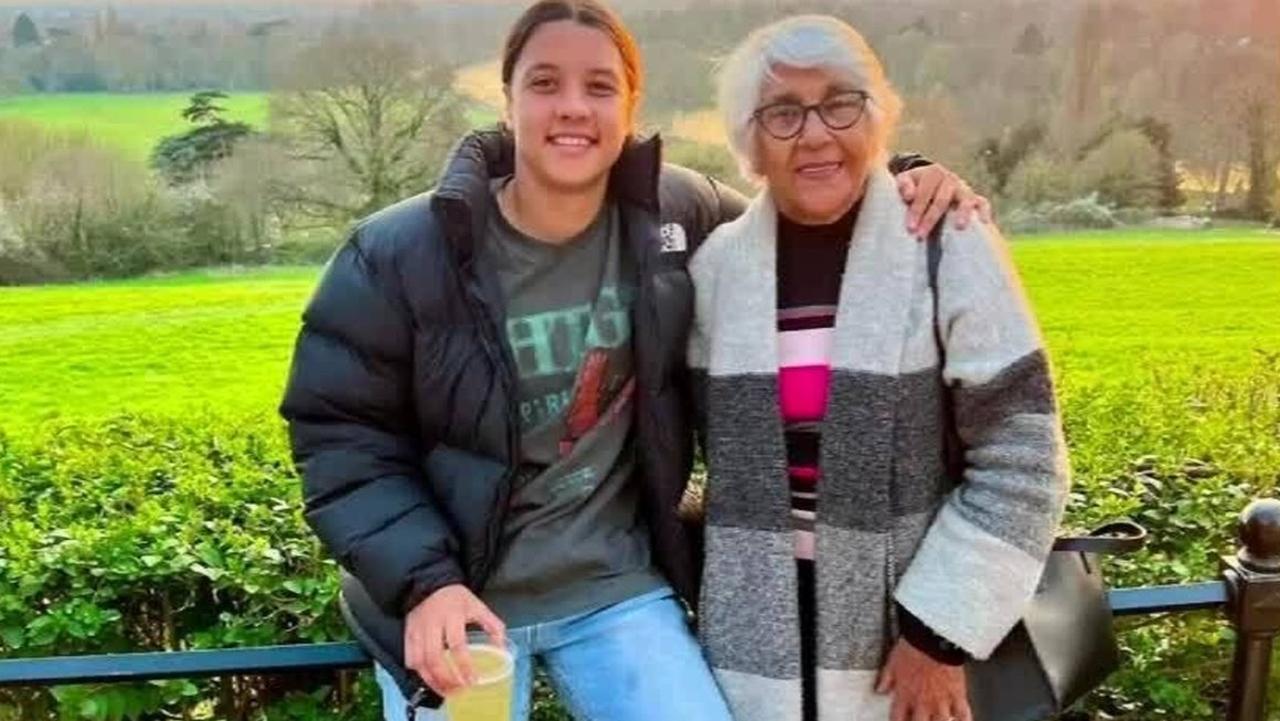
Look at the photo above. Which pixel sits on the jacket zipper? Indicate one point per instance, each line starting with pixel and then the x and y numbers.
pixel 496 349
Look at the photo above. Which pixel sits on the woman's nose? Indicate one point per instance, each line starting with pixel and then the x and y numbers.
pixel 815 131
pixel 572 104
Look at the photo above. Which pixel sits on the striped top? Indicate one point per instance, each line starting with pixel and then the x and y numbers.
pixel 811 260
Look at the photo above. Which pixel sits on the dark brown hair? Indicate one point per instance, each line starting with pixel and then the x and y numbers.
pixel 590 13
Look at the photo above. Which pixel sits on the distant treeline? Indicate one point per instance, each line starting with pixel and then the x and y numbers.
pixel 233 49
pixel 1017 93
pixel 1153 104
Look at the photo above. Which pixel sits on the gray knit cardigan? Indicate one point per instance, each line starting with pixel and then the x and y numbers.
pixel 964 558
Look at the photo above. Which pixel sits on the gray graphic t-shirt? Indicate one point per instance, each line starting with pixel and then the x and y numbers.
pixel 574 538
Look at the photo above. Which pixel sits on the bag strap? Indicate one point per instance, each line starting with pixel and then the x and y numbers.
pixel 952 446
pixel 1114 537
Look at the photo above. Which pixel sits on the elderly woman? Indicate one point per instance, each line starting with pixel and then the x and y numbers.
pixel 848 572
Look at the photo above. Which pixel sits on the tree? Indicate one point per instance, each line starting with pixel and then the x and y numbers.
pixel 1123 169
pixel 202 109
pixel 1039 178
pixel 368 119
pixel 187 157
pixel 1031 42
pixel 1084 91
pixel 1160 135
pixel 25 33
pixel 1001 156
pixel 1262 174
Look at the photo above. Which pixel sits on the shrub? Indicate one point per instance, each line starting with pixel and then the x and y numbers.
pixel 158 535
pixel 1041 178
pixel 1086 212
pixel 1081 213
pixel 1182 453
pixel 138 533
pixel 141 534
pixel 72 210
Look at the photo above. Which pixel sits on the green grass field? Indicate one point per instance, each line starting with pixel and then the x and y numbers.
pixel 1113 304
pixel 134 123
pixel 1116 307
pixel 131 122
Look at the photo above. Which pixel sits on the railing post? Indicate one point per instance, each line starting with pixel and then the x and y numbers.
pixel 1253 581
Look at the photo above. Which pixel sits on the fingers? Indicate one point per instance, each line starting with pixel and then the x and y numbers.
pixel 967 204
pixel 964 205
pixel 939 204
pixel 491 624
pixel 960 710
pixel 906 187
pixel 884 683
pixel 414 655
pixel 984 210
pixel 899 710
pixel 927 187
pixel 459 654
pixel 436 672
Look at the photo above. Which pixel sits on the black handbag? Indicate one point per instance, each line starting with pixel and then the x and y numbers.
pixel 1065 644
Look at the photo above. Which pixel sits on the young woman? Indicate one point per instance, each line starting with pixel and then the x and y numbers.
pixel 837 364
pixel 488 400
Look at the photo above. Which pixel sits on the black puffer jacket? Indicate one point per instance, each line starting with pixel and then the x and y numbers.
pixel 401 397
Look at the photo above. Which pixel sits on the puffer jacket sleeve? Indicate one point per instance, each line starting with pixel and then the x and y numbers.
pixel 902 162
pixel 979 564
pixel 729 204
pixel 351 424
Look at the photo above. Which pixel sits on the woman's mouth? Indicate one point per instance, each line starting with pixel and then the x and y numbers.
pixel 571 141
pixel 818 170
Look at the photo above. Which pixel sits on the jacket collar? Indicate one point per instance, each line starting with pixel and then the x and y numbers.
pixel 461 197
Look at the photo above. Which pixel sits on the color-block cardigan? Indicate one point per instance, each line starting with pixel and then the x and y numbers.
pixel 965 559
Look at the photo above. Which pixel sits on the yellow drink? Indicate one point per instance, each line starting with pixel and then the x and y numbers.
pixel 489 699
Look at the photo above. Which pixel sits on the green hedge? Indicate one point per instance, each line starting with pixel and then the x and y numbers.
pixel 147 535
pixel 150 533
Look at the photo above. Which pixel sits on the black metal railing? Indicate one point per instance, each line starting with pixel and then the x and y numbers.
pixel 1248 592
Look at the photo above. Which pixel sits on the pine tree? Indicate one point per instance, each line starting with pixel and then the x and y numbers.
pixel 25 33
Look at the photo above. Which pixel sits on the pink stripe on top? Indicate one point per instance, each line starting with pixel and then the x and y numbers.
pixel 802 393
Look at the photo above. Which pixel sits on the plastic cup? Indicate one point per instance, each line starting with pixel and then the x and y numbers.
pixel 489 698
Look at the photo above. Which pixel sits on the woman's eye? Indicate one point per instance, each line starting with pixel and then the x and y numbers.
pixel 785 114
pixel 601 89
pixel 542 84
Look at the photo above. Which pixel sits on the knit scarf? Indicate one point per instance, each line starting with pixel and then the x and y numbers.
pixel 963 555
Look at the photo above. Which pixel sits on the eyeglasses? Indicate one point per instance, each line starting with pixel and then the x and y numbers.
pixel 786 120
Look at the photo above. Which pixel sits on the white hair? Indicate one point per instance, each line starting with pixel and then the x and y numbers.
pixel 803 42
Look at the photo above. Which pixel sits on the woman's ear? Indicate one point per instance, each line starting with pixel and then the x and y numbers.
pixel 504 118
pixel 633 112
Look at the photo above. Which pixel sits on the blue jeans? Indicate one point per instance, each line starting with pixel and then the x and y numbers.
pixel 633 661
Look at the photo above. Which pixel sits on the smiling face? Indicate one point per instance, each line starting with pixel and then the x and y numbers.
pixel 569 106
pixel 817 176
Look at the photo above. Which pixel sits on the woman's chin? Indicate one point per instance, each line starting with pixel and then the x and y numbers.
pixel 815 211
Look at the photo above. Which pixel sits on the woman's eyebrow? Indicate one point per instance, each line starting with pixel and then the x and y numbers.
pixel 785 97
pixel 539 67
pixel 610 73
